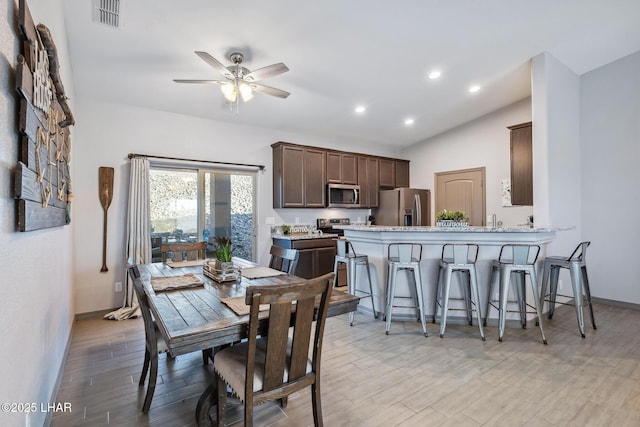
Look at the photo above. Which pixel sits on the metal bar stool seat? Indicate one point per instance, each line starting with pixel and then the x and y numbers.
pixel 577 266
pixel 345 253
pixel 407 256
pixel 522 263
pixel 458 258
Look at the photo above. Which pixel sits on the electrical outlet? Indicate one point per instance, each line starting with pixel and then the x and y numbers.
pixel 118 286
pixel 559 285
pixel 270 220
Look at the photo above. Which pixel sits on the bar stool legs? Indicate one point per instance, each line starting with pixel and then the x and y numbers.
pixel 504 269
pixel 576 264
pixel 347 255
pixel 462 264
pixel 405 261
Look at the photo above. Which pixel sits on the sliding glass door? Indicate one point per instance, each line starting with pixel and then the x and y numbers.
pixel 190 205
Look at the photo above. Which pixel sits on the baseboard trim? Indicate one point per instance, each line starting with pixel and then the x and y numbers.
pixel 94 314
pixel 56 386
pixel 623 304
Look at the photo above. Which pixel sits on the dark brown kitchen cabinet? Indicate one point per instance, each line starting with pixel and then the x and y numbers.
pixel 342 168
pixel 521 164
pixel 368 169
pixel 298 176
pixel 387 179
pixel 316 256
pixel 402 173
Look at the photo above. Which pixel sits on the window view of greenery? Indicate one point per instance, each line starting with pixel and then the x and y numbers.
pixel 225 208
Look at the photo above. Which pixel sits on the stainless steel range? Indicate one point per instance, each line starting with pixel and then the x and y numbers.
pixel 326 225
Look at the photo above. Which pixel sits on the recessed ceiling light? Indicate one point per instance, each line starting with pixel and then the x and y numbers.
pixel 360 109
pixel 409 121
pixel 474 89
pixel 434 75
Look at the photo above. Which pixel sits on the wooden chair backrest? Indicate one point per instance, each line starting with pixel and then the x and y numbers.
pixel 284 259
pixel 282 299
pixel 183 251
pixel 149 328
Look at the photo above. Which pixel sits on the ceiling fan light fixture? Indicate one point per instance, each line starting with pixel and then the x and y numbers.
pixel 245 92
pixel 229 92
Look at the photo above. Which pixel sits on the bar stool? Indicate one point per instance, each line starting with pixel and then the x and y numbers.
pixel 458 258
pixel 522 262
pixel 576 264
pixel 347 255
pixel 407 256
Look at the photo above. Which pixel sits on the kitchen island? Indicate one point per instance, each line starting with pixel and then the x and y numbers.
pixel 373 241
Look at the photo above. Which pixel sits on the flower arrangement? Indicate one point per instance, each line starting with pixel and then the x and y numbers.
pixel 286 229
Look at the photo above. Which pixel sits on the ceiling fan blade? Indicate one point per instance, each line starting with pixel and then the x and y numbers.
pixel 217 65
pixel 220 82
pixel 266 72
pixel 269 90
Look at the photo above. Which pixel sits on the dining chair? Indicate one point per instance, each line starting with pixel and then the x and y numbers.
pixel 183 251
pixel 284 259
pixel 273 363
pixel 154 343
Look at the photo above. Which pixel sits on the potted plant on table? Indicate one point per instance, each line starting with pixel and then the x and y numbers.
pixel 451 219
pixel 223 250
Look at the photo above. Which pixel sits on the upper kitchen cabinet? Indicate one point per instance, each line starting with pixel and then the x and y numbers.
pixel 387 179
pixel 402 173
pixel 521 164
pixel 368 173
pixel 299 176
pixel 342 168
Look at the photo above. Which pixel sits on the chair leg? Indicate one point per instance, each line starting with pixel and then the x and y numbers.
pixel 417 280
pixel 544 285
pixel 492 284
pixel 351 283
pixel 391 285
pixel 221 409
pixel 521 292
pixel 465 284
pixel 151 387
pixel 587 291
pixel 446 288
pixel 335 273
pixel 576 284
pixel 316 403
pixel 536 298
pixel 206 355
pixel 473 284
pixel 145 367
pixel 438 293
pixel 373 304
pixel 555 274
pixel 505 278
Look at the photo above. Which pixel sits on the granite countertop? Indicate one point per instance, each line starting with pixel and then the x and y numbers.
pixel 304 236
pixel 471 229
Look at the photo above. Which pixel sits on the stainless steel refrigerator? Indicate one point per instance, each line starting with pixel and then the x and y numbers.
pixel 404 206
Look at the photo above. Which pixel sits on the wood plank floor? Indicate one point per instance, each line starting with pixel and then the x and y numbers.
pixel 403 379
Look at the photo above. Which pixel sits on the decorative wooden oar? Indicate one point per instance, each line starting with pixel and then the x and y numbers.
pixel 106 194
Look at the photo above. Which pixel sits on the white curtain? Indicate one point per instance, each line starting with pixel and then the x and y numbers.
pixel 138 233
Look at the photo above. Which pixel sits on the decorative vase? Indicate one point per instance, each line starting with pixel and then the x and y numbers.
pixel 223 265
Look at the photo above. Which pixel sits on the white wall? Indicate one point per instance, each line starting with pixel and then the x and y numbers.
pixel 106 133
pixel 484 142
pixel 556 149
pixel 37 267
pixel 610 142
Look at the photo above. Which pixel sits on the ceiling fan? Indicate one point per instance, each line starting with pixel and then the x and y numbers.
pixel 239 80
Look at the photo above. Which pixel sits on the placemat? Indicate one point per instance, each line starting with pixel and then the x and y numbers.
pixel 259 272
pixel 192 263
pixel 169 283
pixel 238 305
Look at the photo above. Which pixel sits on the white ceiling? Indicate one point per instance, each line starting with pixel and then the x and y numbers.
pixel 342 53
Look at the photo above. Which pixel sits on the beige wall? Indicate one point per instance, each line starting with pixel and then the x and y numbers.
pixel 36 267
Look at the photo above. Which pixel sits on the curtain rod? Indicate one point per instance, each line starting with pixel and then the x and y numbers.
pixel 132 155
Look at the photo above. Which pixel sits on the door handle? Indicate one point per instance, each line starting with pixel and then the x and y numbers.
pixel 418 210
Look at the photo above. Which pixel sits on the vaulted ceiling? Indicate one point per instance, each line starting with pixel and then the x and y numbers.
pixel 341 54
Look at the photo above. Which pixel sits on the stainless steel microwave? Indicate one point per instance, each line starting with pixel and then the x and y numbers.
pixel 343 196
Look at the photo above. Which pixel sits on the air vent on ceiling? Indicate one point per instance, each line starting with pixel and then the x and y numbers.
pixel 107 12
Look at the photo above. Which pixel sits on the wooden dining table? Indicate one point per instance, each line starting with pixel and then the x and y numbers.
pixel 195 318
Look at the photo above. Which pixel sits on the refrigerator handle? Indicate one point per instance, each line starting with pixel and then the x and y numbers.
pixel 417 210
